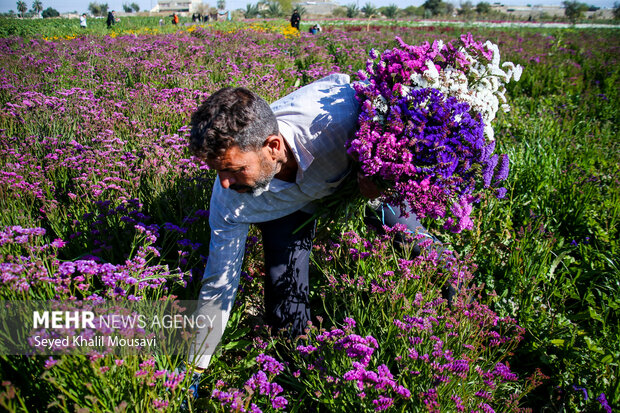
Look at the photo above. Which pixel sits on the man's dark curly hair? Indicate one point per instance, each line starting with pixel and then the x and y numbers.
pixel 229 117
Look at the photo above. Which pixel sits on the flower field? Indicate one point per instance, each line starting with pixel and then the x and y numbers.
pixel 100 199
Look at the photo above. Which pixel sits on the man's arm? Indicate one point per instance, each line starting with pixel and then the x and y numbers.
pixel 221 279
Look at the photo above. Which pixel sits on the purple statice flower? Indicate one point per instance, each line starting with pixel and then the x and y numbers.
pixel 504 372
pixel 604 403
pixel 581 389
pixel 383 403
pixel 173 380
pixel 50 362
pixel 269 364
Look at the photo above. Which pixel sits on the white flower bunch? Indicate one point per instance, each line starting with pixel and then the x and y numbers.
pixel 480 84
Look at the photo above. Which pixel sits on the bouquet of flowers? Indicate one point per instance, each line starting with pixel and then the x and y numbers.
pixel 425 126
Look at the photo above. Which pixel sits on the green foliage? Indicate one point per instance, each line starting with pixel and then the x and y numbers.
pixel 22 7
pixel 274 10
pixel 352 10
pixel 434 7
pixel 369 10
pixel 483 7
pixel 390 11
pixel 466 9
pixel 574 10
pixel 97 9
pixel 251 11
pixel 50 12
pixel 547 255
pixel 37 6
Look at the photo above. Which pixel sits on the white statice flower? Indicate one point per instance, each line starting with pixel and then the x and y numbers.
pixel 380 104
pixel 431 72
pixel 493 47
pixel 516 75
pixel 418 80
pixel 440 44
pixel 489 132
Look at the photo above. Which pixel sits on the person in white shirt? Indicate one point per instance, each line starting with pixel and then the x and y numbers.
pixel 83 21
pixel 272 163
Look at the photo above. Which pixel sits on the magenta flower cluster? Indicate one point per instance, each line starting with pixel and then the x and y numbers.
pixel 427 146
pixel 259 384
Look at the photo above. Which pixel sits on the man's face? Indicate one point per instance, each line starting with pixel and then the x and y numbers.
pixel 244 171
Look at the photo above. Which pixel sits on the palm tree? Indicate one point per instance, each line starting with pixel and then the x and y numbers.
pixel 390 11
pixel 21 7
pixel 274 10
pixel 369 10
pixel 251 11
pixel 37 6
pixel 352 10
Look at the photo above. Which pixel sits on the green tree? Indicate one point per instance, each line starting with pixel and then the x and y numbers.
pixel 287 5
pixel 574 10
pixel 413 11
pixel 21 7
pixel 50 12
pixel 221 4
pixel 274 10
pixel 94 9
pixel 251 11
pixel 135 7
pixel 433 7
pixel 483 7
pixel 390 11
pixel 369 10
pixel 617 11
pixel 352 10
pixel 126 8
pixel 466 9
pixel 37 6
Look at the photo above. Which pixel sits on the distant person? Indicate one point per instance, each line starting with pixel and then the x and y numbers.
pixel 295 19
pixel 83 21
pixel 175 19
pixel 161 22
pixel 110 21
pixel 313 30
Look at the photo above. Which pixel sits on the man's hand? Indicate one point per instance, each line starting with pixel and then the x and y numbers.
pixel 367 187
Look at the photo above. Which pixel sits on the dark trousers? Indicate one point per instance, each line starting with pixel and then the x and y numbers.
pixel 287 261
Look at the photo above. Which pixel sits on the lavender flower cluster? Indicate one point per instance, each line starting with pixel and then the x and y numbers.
pixel 424 126
pixel 358 350
pixel 36 271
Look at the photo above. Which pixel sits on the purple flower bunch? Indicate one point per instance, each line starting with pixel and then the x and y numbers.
pixel 260 383
pixel 424 127
pixel 357 352
pixel 35 271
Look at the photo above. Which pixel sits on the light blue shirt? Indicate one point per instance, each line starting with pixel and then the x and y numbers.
pixel 316 121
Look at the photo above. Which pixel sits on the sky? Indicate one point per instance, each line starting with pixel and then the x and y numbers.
pixel 64 6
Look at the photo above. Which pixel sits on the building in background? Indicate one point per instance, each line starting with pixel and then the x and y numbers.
pixel 177 6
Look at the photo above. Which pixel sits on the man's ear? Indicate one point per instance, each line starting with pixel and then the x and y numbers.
pixel 274 144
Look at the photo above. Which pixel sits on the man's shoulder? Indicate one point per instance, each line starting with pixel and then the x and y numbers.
pixel 335 86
